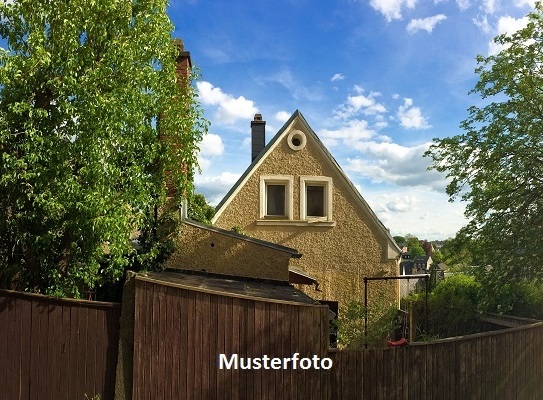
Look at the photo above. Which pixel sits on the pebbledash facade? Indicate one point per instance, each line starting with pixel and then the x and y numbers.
pixel 295 194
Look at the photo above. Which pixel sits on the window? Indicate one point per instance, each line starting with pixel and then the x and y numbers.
pixel 316 198
pixel 275 199
pixel 276 196
pixel 296 140
pixel 315 201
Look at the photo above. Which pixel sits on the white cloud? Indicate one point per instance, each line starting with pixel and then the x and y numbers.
pixel 489 6
pixel 229 108
pixel 416 213
pixel 522 3
pixel 282 116
pixel 392 9
pixel 394 163
pixel 427 24
pixel 337 77
pixel 463 5
pixel 482 23
pixel 215 187
pixel 411 117
pixel 402 203
pixel 355 131
pixel 360 103
pixel 211 145
pixel 506 25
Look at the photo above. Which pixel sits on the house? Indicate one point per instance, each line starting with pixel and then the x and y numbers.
pixel 295 194
pixel 422 263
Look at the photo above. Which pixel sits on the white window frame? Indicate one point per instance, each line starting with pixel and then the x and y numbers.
pixel 327 183
pixel 288 181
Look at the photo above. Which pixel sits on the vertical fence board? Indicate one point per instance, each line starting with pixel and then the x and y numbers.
pixel 25 351
pixel 42 350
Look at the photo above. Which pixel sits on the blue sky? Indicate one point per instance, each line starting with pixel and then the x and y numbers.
pixel 375 79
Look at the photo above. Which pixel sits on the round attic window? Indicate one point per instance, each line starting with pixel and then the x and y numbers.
pixel 296 140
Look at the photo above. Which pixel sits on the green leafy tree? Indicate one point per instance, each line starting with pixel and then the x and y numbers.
pixel 199 209
pixel 496 165
pixel 414 247
pixel 457 253
pixel 400 240
pixel 82 166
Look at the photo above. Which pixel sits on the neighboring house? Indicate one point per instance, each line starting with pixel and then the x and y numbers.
pixel 295 194
pixel 422 263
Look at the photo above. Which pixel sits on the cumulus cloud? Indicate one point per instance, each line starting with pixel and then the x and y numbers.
pixel 229 108
pixel 391 162
pixel 506 25
pixel 411 117
pixel 353 132
pixel 215 187
pixel 337 77
pixel 427 24
pixel 360 103
pixel 416 213
pixel 210 146
pixel 392 9
pixel 281 116
pixel 402 204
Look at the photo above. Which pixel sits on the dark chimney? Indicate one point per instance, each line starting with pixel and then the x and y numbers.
pixel 258 136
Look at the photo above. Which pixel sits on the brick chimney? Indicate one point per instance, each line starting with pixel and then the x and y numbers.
pixel 258 136
pixel 182 71
pixel 184 63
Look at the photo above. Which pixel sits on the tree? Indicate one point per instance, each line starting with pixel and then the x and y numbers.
pixel 199 209
pixel 414 247
pixel 400 241
pixel 82 167
pixel 496 165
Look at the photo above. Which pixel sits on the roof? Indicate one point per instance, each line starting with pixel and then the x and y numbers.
pixel 421 259
pixel 297 115
pixel 293 252
pixel 296 275
pixel 256 289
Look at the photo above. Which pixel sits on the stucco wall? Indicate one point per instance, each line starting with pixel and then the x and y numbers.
pixel 337 256
pixel 204 250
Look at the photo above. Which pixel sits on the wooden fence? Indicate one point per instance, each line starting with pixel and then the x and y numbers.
pixel 500 365
pixel 179 334
pixel 56 349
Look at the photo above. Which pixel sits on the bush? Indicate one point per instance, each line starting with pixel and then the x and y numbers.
pixel 382 323
pixel 452 308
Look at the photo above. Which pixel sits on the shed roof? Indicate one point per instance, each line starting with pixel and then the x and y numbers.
pixel 256 289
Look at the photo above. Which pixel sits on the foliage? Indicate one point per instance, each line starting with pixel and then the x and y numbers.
pixel 414 247
pixel 496 165
pixel 457 253
pixel 382 322
pixel 452 307
pixel 400 241
pixel 199 209
pixel 520 299
pixel 82 167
